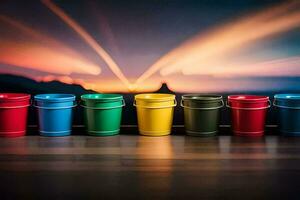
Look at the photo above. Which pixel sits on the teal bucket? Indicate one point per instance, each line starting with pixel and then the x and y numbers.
pixel 288 113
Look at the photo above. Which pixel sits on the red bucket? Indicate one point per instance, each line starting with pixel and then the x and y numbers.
pixel 13 114
pixel 248 114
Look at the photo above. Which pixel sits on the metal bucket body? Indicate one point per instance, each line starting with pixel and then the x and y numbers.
pixel 201 114
pixel 288 113
pixel 102 113
pixel 248 114
pixel 55 113
pixel 13 114
pixel 155 113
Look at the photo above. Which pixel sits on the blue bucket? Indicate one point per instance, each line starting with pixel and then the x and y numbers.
pixel 288 113
pixel 55 113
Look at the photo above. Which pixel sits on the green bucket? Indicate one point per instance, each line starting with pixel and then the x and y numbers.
pixel 201 114
pixel 102 113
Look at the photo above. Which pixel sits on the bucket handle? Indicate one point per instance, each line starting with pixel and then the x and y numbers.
pixel 269 105
pixel 49 108
pixel 175 104
pixel 287 107
pixel 213 108
pixel 95 108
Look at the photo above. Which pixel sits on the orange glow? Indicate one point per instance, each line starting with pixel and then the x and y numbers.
pixel 45 59
pixel 198 53
pixel 89 40
pixel 40 52
pixel 111 85
pixel 66 79
pixel 47 78
pixel 278 67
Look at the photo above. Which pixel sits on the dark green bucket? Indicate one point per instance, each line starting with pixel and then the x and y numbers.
pixel 201 114
pixel 102 113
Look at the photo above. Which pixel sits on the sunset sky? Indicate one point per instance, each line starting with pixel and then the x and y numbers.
pixel 121 46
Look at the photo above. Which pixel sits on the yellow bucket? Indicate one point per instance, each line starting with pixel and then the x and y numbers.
pixel 155 113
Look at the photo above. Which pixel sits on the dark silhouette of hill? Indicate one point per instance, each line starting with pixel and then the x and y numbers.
pixel 165 89
pixel 11 83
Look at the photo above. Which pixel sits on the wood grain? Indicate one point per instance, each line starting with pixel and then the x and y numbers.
pixel 138 167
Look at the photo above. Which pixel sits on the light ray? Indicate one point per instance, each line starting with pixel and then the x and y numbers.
pixel 225 39
pixel 283 67
pixel 88 39
pixel 41 52
pixel 193 63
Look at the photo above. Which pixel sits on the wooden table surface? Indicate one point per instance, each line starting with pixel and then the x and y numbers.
pixel 137 167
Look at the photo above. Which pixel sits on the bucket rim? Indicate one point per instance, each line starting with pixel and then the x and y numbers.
pixel 54 97
pixel 155 97
pixel 287 96
pixel 4 97
pixel 248 98
pixel 101 97
pixel 202 97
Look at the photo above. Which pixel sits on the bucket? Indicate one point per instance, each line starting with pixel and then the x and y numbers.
pixel 248 114
pixel 201 114
pixel 288 113
pixel 13 114
pixel 155 113
pixel 102 113
pixel 55 113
